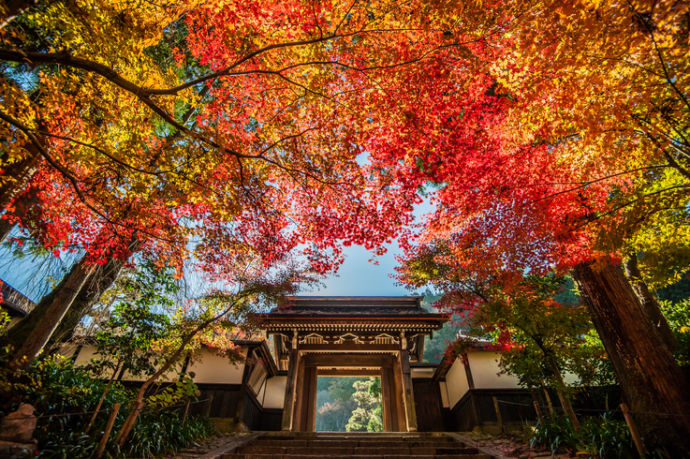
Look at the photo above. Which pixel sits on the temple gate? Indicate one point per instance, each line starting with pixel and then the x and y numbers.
pixel 350 336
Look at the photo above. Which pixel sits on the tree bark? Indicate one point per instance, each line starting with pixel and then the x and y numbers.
pixel 652 382
pixel 101 279
pixel 650 305
pixel 95 283
pixel 53 307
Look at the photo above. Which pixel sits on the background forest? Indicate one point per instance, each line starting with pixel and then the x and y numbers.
pixel 348 404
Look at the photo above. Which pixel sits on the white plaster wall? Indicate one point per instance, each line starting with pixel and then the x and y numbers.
pixel 208 366
pixel 444 394
pixel 85 355
pixel 485 369
pixel 211 368
pixel 68 349
pixel 456 382
pixel 422 373
pixel 275 392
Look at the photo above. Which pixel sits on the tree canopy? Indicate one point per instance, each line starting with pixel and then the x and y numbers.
pixel 549 138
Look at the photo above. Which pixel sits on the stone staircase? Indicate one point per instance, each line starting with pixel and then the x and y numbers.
pixel 289 445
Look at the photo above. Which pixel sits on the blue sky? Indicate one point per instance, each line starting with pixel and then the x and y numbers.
pixel 358 277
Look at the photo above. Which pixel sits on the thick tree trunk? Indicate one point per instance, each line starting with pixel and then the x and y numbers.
pixel 652 382
pixel 53 307
pixel 99 279
pixel 102 278
pixel 650 305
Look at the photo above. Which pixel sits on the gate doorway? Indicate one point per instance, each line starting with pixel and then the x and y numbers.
pixel 348 404
pixel 349 336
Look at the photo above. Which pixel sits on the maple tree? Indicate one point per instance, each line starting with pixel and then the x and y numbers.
pixel 555 137
pixel 154 172
pixel 556 142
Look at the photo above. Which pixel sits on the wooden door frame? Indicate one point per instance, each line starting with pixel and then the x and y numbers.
pixel 386 365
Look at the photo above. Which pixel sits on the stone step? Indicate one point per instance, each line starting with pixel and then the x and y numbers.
pixel 357 450
pixel 351 456
pixel 359 446
pixel 353 443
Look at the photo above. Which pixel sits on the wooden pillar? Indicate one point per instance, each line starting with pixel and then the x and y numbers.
pixel 298 404
pixel 387 401
pixel 289 403
pixel 304 414
pixel 470 385
pixel 398 396
pixel 408 395
pixel 309 414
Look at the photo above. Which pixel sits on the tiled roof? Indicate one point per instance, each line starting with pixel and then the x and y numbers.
pixel 351 305
pixel 15 301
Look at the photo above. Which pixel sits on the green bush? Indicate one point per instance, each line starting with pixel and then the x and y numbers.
pixel 599 436
pixel 606 437
pixel 156 433
pixel 555 433
pixel 64 395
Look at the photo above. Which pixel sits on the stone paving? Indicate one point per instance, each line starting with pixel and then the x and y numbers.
pixel 498 446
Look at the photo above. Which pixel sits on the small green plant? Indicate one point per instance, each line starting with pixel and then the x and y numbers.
pixel 160 432
pixel 555 433
pixel 599 436
pixel 605 437
pixel 64 397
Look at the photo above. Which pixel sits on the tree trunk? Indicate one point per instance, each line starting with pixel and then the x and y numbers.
pixel 103 277
pixel 650 305
pixel 102 399
pixel 174 357
pixel 652 382
pixel 98 280
pixel 53 307
pixel 139 399
pixel 565 401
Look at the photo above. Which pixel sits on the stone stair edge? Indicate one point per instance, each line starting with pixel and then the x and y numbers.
pixel 357 445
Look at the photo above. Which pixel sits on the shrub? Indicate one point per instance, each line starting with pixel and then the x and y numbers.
pixel 555 433
pixel 599 436
pixel 156 433
pixel 606 437
pixel 64 395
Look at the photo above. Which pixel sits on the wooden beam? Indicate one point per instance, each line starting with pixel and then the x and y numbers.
pixel 335 348
pixel 348 360
pixel 348 372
